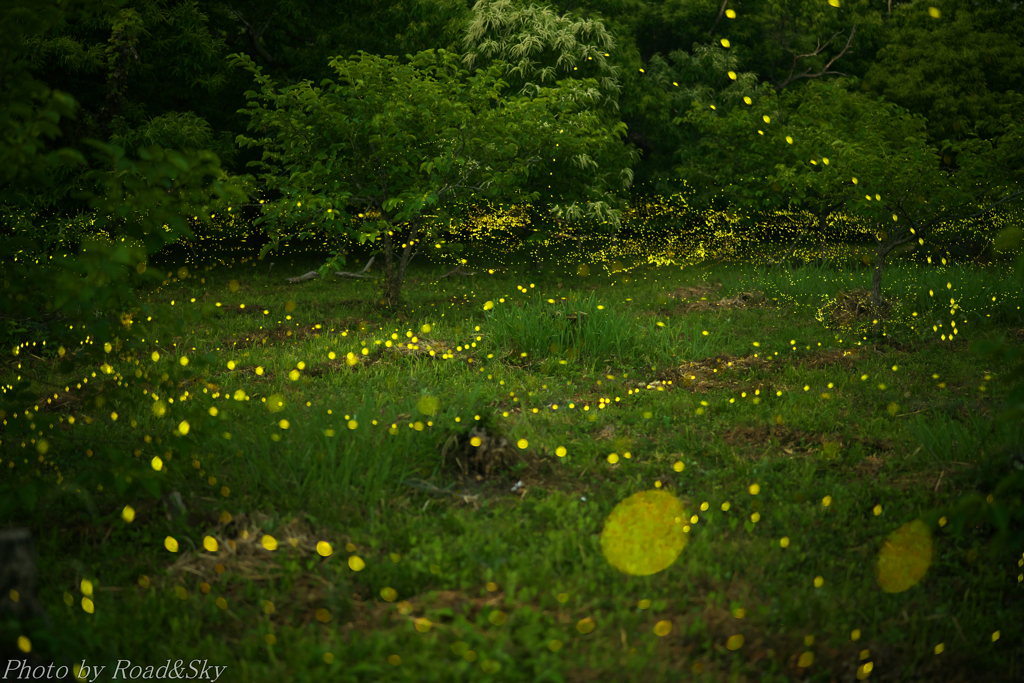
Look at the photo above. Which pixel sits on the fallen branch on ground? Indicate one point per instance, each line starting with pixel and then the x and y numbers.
pixel 457 271
pixel 312 274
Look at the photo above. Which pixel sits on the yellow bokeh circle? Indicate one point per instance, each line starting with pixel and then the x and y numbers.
pixel 905 557
pixel 642 536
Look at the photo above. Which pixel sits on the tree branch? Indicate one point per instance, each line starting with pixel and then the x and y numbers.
pixel 311 275
pixel 457 270
pixel 255 34
pixel 307 41
pixel 817 51
pixel 721 11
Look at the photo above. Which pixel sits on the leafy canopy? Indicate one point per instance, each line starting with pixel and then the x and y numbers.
pixel 369 155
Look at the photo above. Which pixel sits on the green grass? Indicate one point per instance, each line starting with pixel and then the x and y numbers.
pixel 481 577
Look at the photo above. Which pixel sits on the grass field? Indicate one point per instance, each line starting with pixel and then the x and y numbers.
pixel 657 474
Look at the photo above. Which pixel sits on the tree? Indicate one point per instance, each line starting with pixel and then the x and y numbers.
pixel 56 293
pixel 533 46
pixel 784 42
pixel 662 91
pixel 832 148
pixel 794 158
pixel 367 156
pixel 962 68
pixel 539 46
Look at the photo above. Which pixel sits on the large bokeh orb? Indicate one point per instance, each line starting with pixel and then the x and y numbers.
pixel 644 533
pixel 905 557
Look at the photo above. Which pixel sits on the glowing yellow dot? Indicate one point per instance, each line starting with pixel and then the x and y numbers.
pixel 522 443
pixel 356 563
pixel 560 451
pixel 784 541
pixel 171 544
pixel 818 582
pixel 128 514
pixel 663 628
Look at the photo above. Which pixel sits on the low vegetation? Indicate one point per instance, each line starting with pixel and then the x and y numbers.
pixel 551 476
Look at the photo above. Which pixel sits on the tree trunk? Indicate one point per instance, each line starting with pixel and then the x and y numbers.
pixel 394 273
pixel 876 288
pixel 822 225
pixel 18 574
pixel 18 602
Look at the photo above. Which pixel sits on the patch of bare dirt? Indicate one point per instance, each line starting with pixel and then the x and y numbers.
pixel 933 479
pixel 275 335
pixel 831 358
pixel 740 300
pixel 791 441
pixel 707 297
pixel 703 291
pixel 710 373
pixel 243 309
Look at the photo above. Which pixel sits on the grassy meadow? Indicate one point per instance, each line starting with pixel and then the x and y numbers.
pixel 639 473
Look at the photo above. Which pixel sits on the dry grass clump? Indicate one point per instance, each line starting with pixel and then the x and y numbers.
pixel 854 308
